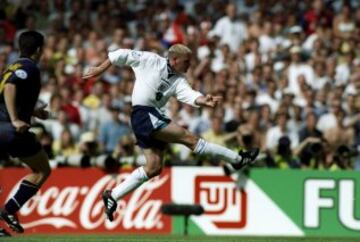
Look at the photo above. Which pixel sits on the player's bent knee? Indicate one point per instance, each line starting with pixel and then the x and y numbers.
pixel 46 173
pixel 191 141
pixel 153 171
pixel 43 174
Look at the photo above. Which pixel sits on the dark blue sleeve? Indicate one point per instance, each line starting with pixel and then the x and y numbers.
pixel 18 76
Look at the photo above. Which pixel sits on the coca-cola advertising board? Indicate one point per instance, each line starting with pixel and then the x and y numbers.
pixel 70 202
pixel 267 203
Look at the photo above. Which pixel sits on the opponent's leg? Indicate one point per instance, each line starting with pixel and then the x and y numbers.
pixel 4 233
pixel 140 175
pixel 39 165
pixel 174 133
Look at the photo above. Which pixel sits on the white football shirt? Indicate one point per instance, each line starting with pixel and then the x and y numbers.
pixel 155 82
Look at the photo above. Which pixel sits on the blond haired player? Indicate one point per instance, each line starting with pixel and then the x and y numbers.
pixel 158 79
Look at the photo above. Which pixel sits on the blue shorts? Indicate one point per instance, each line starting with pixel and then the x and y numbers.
pixel 17 144
pixel 144 121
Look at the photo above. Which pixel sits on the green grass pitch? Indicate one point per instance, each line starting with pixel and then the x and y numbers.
pixel 164 238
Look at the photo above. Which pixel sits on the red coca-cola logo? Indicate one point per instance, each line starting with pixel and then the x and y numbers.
pixel 70 201
pixel 223 202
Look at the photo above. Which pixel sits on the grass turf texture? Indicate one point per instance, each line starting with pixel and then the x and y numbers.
pixel 165 238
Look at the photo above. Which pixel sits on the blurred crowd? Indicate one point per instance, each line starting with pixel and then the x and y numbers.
pixel 289 73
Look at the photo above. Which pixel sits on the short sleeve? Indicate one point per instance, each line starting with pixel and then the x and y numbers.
pixel 17 76
pixel 131 58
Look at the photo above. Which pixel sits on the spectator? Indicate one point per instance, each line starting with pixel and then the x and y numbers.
pixel 309 129
pixel 340 134
pixel 280 130
pixel 216 133
pixel 298 68
pixel 266 39
pixel 284 158
pixel 112 131
pixel 126 151
pixel 344 25
pixel 65 146
pixel 57 126
pixel 229 29
pixel 71 111
pixel 316 16
pixel 93 101
pixel 103 114
pixel 329 120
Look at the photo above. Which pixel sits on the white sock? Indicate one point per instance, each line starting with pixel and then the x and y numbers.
pixel 133 181
pixel 205 148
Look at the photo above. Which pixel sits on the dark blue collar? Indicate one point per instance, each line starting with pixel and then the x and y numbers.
pixel 27 58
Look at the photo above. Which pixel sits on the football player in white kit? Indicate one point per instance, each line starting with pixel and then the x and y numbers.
pixel 158 79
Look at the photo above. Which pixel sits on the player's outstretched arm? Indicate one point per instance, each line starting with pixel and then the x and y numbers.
pixel 208 101
pixel 97 70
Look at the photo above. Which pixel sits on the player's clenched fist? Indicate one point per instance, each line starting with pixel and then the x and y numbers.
pixel 208 100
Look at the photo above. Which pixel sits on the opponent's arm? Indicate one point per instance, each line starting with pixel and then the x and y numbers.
pixel 97 70
pixel 10 102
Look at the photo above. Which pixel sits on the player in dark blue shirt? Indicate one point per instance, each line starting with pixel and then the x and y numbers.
pixel 19 91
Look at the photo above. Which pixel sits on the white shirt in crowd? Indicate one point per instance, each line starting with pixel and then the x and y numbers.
pixel 218 63
pixel 232 33
pixel 294 71
pixel 326 121
pixel 309 42
pixel 274 134
pixel 320 82
pixel 56 128
pixel 342 75
pixel 151 72
pixel 251 59
pixel 265 99
pixel 267 44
